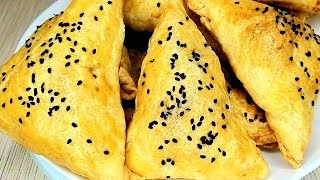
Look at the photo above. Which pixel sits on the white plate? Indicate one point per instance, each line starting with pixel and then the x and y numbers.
pixel 279 168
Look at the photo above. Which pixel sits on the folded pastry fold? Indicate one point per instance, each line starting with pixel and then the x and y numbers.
pixel 184 126
pixel 276 57
pixel 60 93
pixel 309 6
pixel 250 115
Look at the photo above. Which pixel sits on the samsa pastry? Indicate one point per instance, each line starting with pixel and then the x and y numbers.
pixel 309 6
pixel 276 57
pixel 60 94
pixel 184 125
pixel 248 114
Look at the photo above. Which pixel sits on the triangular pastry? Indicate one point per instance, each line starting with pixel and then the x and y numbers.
pixel 248 112
pixel 184 126
pixel 276 57
pixel 60 93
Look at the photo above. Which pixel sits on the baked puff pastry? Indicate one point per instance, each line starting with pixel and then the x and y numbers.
pixel 309 6
pixel 184 125
pixel 248 112
pixel 276 57
pixel 60 94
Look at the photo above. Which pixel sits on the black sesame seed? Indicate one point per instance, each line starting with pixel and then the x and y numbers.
pixel 94 51
pixel 49 70
pixel 101 8
pixel 84 49
pixel 74 125
pixel 106 152
pixel 297 78
pixel 199 146
pixel 224 126
pixel 174 140
pixel 224 153
pixel 68 57
pixel 189 138
pixel 159 42
pixel 158 4
pixel 69 141
pixel 67 64
pixel 79 83
pixel 109 2
pixel 213 123
pixel 89 141
pixel 33 76
pixel 291 58
pixel 20 121
pixel 95 18
pixel 163 162
pixel 160 147
pixel 41 60
pixel 308 54
pixel 56 93
pixel 203 156
pixel 28 114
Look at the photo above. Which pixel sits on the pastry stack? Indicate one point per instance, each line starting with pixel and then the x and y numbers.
pixel 192 89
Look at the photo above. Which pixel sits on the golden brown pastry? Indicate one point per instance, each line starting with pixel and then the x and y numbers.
pixel 250 115
pixel 276 57
pixel 184 126
pixel 309 6
pixel 142 15
pixel 127 85
pixel 60 93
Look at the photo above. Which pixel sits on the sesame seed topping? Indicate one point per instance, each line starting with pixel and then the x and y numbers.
pixel 106 152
